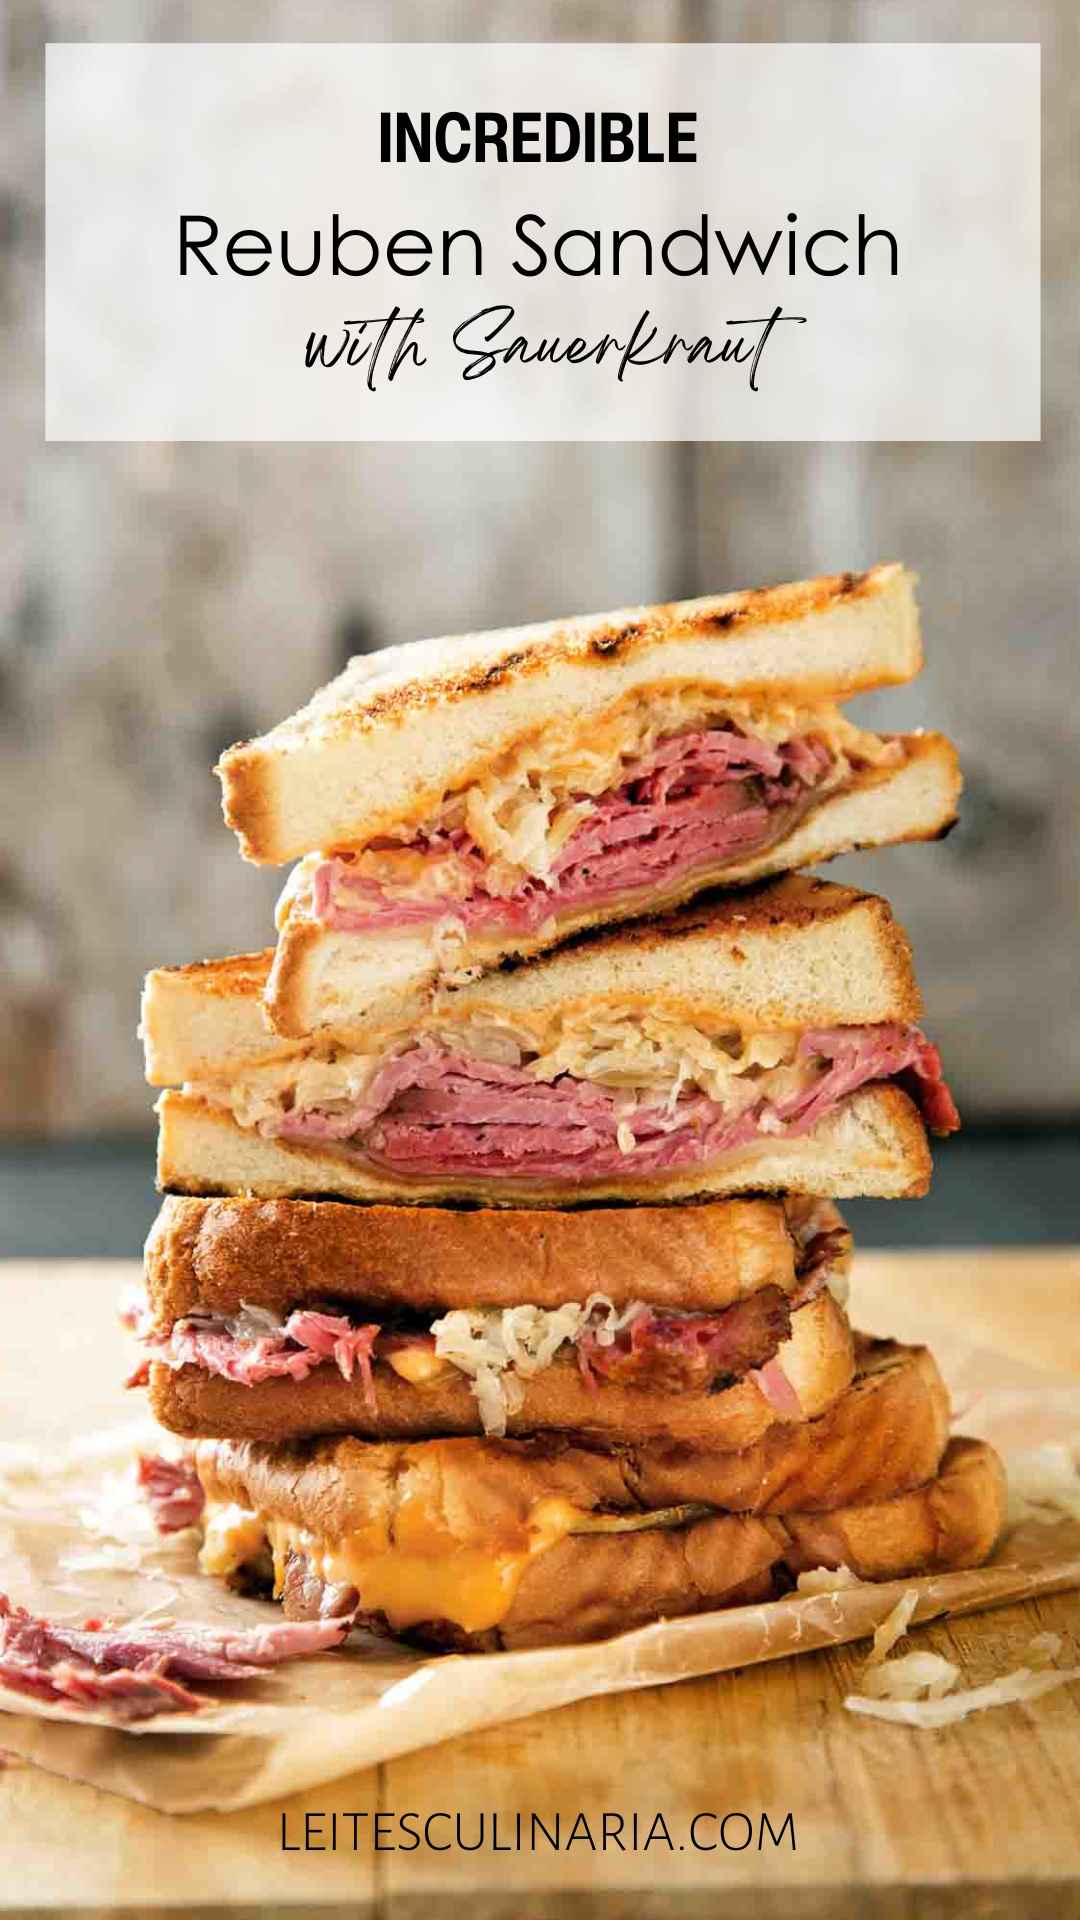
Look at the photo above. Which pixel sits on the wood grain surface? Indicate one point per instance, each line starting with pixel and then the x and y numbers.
pixel 980 1818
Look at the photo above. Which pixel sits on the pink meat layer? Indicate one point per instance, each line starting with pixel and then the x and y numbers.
pixel 688 805
pixel 132 1672
pixel 433 1112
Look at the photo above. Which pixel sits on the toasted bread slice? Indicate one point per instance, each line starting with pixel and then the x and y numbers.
pixel 206 1020
pixel 214 1256
pixel 380 745
pixel 874 1143
pixel 794 953
pixel 325 978
pixel 482 1545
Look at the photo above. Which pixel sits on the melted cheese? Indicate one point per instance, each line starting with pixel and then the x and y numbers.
pixel 232 1537
pixel 417 1364
pixel 423 1573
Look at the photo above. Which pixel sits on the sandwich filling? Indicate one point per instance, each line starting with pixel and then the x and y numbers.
pixel 604 1095
pixel 664 790
pixel 500 1350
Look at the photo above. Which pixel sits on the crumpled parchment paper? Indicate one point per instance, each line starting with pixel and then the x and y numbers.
pixel 76 1539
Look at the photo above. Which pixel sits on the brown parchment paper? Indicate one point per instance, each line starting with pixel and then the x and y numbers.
pixel 76 1540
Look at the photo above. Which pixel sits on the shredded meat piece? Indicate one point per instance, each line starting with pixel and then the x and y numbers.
pixel 137 1671
pixel 173 1491
pixel 305 1341
pixel 307 1596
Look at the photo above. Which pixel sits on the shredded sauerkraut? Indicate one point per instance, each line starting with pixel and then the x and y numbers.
pixel 652 1055
pixel 934 1712
pixel 651 1051
pixel 265 1093
pixel 645 1052
pixel 1044 1484
pixel 913 1676
pixel 827 1580
pixel 501 1348
pixel 893 1627
pixel 918 1689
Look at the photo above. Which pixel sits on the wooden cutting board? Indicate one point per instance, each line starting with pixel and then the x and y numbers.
pixel 980 1818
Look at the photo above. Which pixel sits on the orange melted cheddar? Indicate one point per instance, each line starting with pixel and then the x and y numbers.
pixel 422 1573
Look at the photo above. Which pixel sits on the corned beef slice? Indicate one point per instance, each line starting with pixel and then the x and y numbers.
pixel 691 1351
pixel 900 1053
pixel 430 1111
pixel 689 804
pixel 777 1389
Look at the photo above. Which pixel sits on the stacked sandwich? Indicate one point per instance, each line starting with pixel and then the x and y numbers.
pixel 500 1288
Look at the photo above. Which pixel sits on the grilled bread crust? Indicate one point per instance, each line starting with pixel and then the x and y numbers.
pixel 884 1435
pixel 324 978
pixel 373 750
pixel 206 1020
pixel 590 1586
pixel 795 952
pixel 213 1255
pixel 874 1143
pixel 818 1359
pixel 952 1521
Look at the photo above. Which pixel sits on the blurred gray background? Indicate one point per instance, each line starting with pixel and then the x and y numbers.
pixel 157 603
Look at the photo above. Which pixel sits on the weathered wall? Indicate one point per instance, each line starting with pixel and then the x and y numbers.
pixel 156 603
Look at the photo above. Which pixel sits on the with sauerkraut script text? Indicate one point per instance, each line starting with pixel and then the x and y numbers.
pixel 381 346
